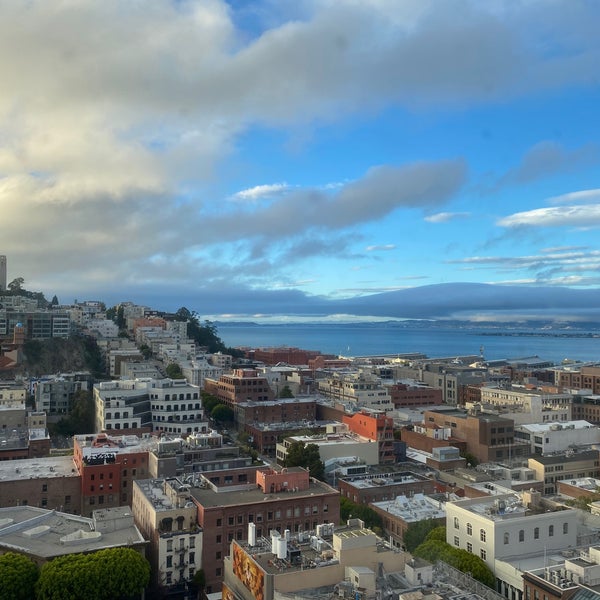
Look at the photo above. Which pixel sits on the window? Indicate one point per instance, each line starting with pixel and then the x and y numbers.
pixel 230 520
pixel 469 529
pixel 218 539
pixel 219 522
pixel 192 542
pixel 218 572
pixel 551 530
pixel 218 555
pixel 456 524
pixel 456 541
pixel 170 560
pixel 44 501
pixel 536 533
pixel 469 547
pixel 506 538
pixel 521 535
pixel 44 487
pixel 482 535
pixel 565 528
pixel 483 554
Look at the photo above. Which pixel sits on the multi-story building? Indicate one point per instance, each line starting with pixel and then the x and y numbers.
pixel 379 487
pixel 51 483
pixel 377 427
pixel 547 438
pixel 282 410
pixel 243 385
pixel 38 324
pixel 43 534
pixel 489 438
pixel 167 405
pixel 579 377
pixel 414 394
pixel 197 370
pixel 108 466
pixel 526 405
pixel 504 527
pixel 346 561
pixel 566 466
pixel 168 519
pixel 362 390
pixel 279 500
pixel 54 394
pixel 399 513
pixel 334 444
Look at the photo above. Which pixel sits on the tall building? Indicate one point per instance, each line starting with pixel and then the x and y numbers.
pixel 2 273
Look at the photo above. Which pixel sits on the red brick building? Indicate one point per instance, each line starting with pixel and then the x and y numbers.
pixel 377 427
pixel 414 395
pixel 285 499
pixel 108 467
pixel 362 489
pixel 243 385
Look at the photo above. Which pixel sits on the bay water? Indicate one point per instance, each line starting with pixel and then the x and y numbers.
pixel 362 339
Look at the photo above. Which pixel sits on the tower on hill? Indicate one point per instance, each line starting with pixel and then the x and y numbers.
pixel 2 273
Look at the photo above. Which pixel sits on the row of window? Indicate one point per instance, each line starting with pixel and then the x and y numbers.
pixel 521 535
pixel 296 512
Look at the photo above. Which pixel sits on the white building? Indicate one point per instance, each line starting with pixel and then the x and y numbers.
pixel 363 390
pixel 505 527
pixel 527 405
pixel 166 514
pixel 169 405
pixel 334 445
pixel 546 438
pixel 196 371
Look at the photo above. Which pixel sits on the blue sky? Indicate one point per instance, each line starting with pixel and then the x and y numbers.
pixel 200 152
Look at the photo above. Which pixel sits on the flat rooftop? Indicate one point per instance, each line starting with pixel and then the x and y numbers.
pixel 48 533
pixel 122 444
pixel 36 468
pixel 383 479
pixel 416 508
pixel 253 494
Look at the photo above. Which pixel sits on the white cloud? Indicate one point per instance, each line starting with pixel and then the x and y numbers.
pixel 585 216
pixel 261 191
pixel 380 248
pixel 581 197
pixel 444 217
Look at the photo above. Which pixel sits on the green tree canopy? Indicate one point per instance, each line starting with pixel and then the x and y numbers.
pixel 222 413
pixel 286 392
pixel 114 573
pixel 209 401
pixel 418 531
pixel 18 576
pixel 304 455
pixel 371 519
pixel 205 334
pixel 174 371
pixel 434 549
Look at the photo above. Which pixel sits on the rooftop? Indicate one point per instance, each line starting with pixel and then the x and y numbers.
pixel 101 444
pixel 416 508
pixel 383 479
pixel 48 533
pixel 253 494
pixel 36 468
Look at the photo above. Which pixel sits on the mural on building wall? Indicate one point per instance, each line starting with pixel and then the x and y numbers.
pixel 248 572
pixel 226 593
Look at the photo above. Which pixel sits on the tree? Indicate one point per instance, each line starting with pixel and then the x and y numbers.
pixel 54 300
pixel 82 416
pixel 146 351
pixel 419 531
pixel 104 575
pixel 371 519
pixel 16 285
pixel 209 401
pixel 18 575
pixel 174 371
pixel 307 456
pixel 434 549
pixel 199 581
pixel 286 392
pixel 222 413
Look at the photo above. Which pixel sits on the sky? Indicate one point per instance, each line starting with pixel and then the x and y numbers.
pixel 228 155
